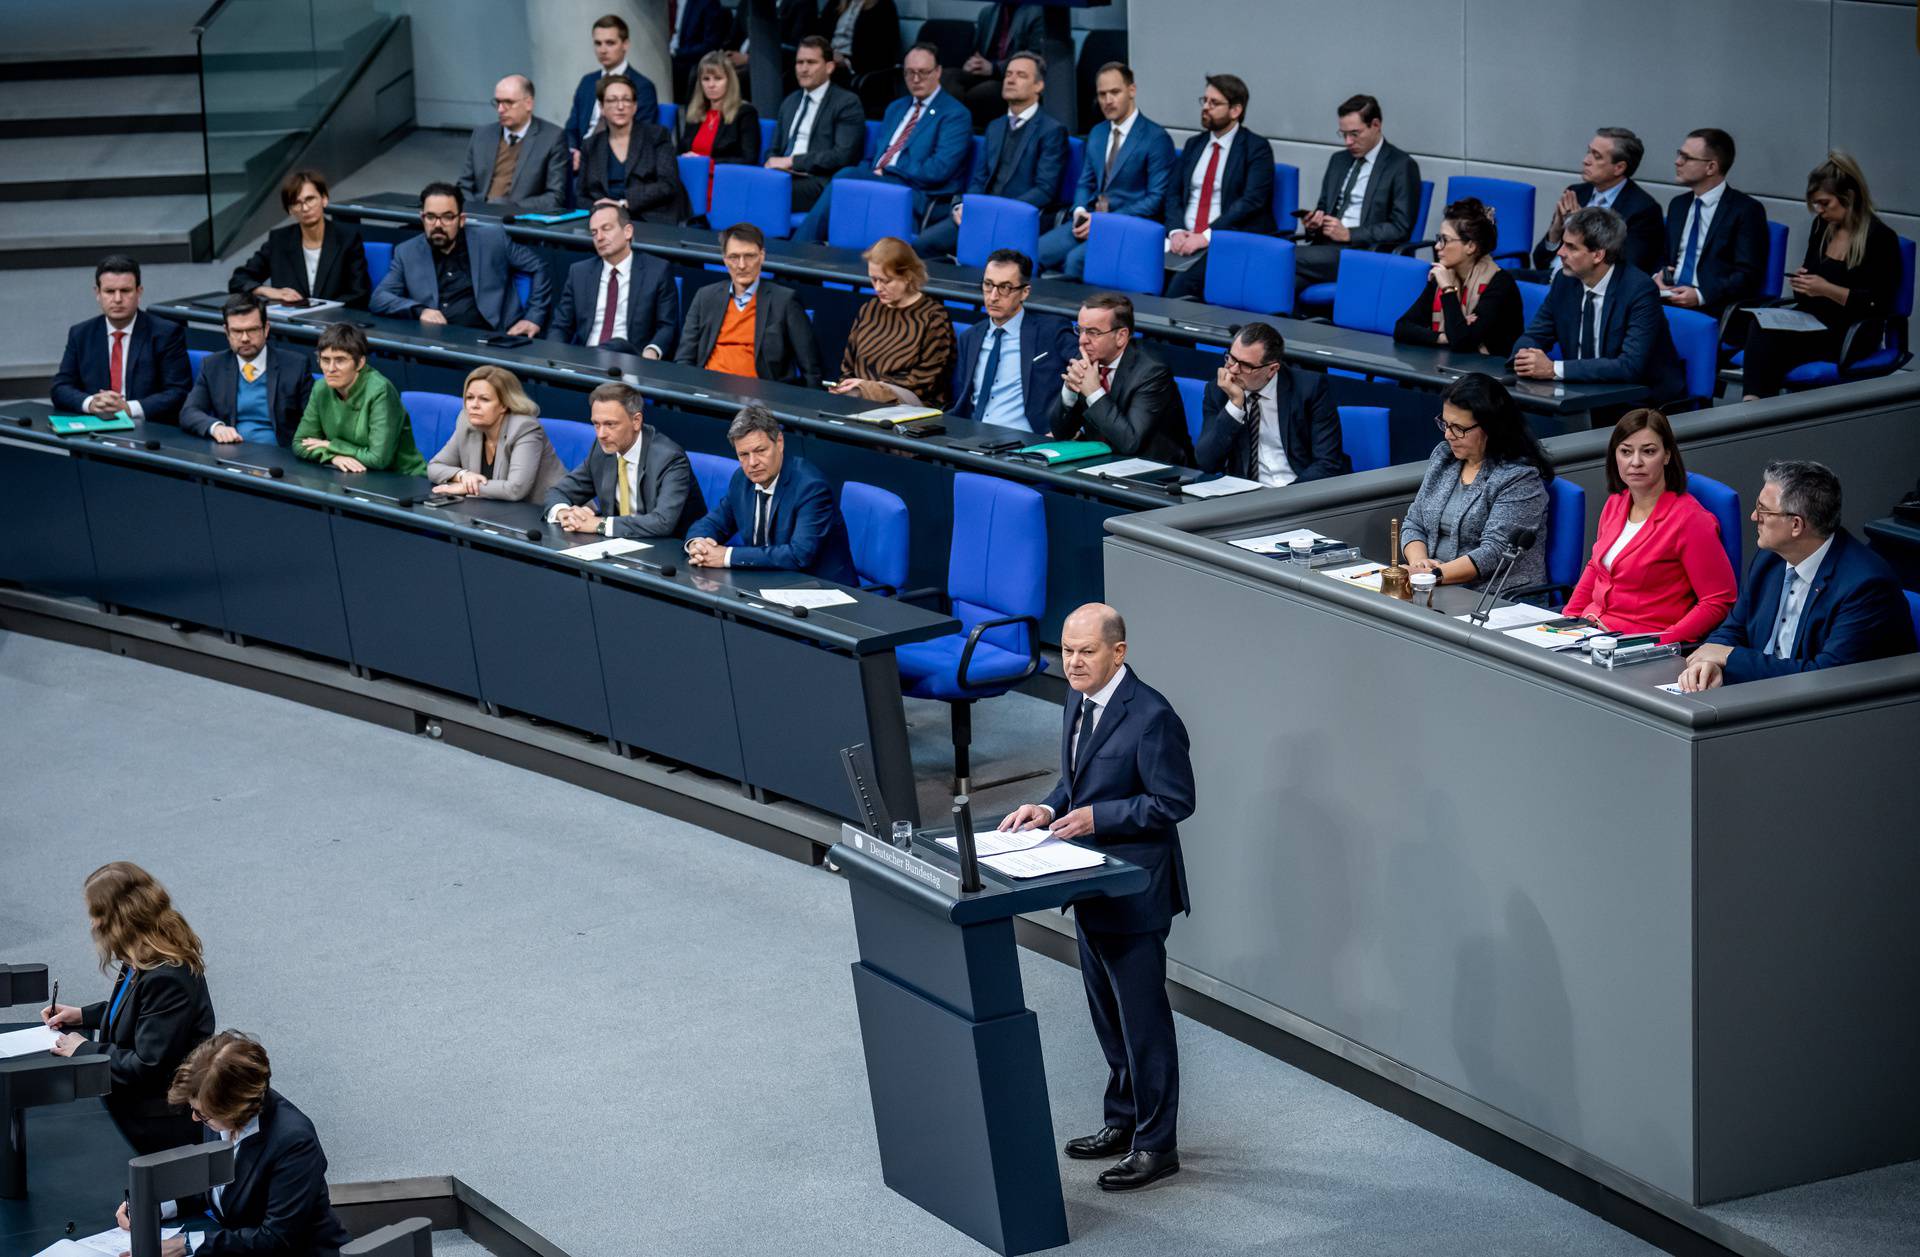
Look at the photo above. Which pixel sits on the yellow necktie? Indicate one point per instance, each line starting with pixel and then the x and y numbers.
pixel 625 492
pixel 249 370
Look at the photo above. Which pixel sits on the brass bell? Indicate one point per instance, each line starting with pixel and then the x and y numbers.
pixel 1395 581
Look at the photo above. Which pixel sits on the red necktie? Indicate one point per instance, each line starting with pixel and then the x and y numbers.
pixel 116 363
pixel 1200 219
pixel 1105 371
pixel 906 133
pixel 613 306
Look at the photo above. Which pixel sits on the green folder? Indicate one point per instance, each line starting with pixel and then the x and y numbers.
pixel 69 425
pixel 1051 452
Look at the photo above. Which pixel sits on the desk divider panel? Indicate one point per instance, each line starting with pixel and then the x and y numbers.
pixel 151 547
pixel 44 539
pixel 406 604
pixel 278 576
pixel 533 639
pixel 669 690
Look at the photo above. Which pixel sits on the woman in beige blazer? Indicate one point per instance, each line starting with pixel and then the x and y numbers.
pixel 498 448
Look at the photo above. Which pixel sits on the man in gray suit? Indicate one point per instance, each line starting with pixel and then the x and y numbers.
pixel 1369 197
pixel 462 273
pixel 640 481
pixel 523 160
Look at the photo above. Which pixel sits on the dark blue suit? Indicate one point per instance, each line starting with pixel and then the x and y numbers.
pixel 646 103
pixel 1855 611
pixel 215 395
pixel 278 1200
pixel 1142 169
pixel 933 163
pixel 1732 260
pixel 1245 202
pixel 1632 343
pixel 1027 169
pixel 1046 345
pixel 1136 776
pixel 156 372
pixel 703 28
pixel 653 305
pixel 806 533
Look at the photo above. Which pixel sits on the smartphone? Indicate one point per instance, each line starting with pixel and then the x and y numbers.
pixel 1300 213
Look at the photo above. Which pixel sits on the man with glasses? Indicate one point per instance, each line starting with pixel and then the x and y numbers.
pixel 521 162
pixel 1267 421
pixel 462 273
pixel 1024 156
pixel 1606 172
pixel 1716 234
pixel 1010 361
pixel 747 327
pixel 1128 169
pixel 1118 392
pixel 1369 196
pixel 821 129
pixel 253 391
pixel 1224 180
pixel 611 39
pixel 1814 597
pixel 927 135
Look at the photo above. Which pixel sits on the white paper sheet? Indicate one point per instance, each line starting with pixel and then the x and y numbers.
pixel 1277 542
pixel 1365 575
pixel 66 1248
pixel 993 842
pixel 1553 638
pixel 895 414
pixel 1051 856
pixel 607 549
pixel 809 598
pixel 1672 687
pixel 116 1241
pixel 1123 467
pixel 27 1042
pixel 1225 486
pixel 1786 319
pixel 1518 615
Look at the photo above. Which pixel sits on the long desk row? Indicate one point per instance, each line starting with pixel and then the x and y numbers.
pixel 693 406
pixel 475 598
pixel 1190 332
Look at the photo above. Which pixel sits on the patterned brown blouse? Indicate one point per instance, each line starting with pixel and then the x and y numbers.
pixel 912 346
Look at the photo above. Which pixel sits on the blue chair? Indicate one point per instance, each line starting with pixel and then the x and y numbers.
pixel 1913 609
pixel 1249 272
pixel 976 154
pixel 713 473
pixel 1566 539
pixel 433 416
pixel 1192 394
pixel 1696 336
pixel 1126 253
pixel 1320 296
pixel 768 128
pixel 1286 195
pixel 1858 361
pixel 1776 260
pixel 1531 295
pixel 875 133
pixel 1070 177
pixel 1426 203
pixel 997 587
pixel 194 358
pixel 996 222
pixel 572 440
pixel 1512 204
pixel 1724 505
pixel 523 286
pixel 877 531
pixel 668 116
pixel 864 210
pixel 1363 434
pixel 379 260
pixel 1374 289
pixel 753 194
pixel 693 178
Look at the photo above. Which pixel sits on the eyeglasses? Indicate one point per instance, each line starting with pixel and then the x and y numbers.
pixel 1236 363
pixel 1454 430
pixel 440 218
pixel 1351 135
pixel 1214 102
pixel 1761 512
pixel 503 104
pixel 1089 333
pixel 1001 290
pixel 912 73
pixel 1684 155
pixel 307 202
pixel 1440 240
pixel 198 1116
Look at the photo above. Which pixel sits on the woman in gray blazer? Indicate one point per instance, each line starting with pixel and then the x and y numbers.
pixel 498 448
pixel 1486 480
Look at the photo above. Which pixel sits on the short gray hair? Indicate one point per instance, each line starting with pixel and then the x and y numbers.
pixel 753 418
pixel 1809 490
pixel 1600 228
pixel 1627 147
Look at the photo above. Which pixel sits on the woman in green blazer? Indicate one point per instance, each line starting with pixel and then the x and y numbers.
pixel 356 422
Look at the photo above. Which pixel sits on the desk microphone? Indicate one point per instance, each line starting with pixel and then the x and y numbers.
pixel 1519 543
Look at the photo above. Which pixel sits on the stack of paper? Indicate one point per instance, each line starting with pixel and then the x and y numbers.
pixel 1051 856
pixel 1278 542
pixel 26 1042
pixel 809 598
pixel 115 1241
pixel 996 843
pixel 894 414
pixel 1516 615
pixel 1219 487
pixel 606 549
pixel 1124 467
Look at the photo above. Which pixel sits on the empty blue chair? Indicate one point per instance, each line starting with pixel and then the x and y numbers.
pixel 1857 360
pixel 1192 394
pixel 1696 336
pixel 1286 195
pixel 1724 505
pixel 1249 272
pixel 572 440
pixel 1566 539
pixel 194 358
pixel 693 178
pixel 996 222
pixel 767 128
pixel 1320 296
pixel 1512 204
pixel 1531 295
pixel 1126 253
pixel 875 133
pixel 997 587
pixel 753 194
pixel 668 116
pixel 1374 289
pixel 1363 434
pixel 864 210
pixel 379 259
pixel 877 532
pixel 1070 177
pixel 433 416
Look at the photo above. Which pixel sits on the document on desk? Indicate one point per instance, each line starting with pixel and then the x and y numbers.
pixel 606 549
pixel 894 414
pixel 809 598
pixel 1554 637
pixel 27 1042
pixel 1051 856
pixel 1365 575
pixel 1277 542
pixel 1786 319
pixel 1518 615
pixel 1219 487
pixel 1123 467
pixel 70 1248
pixel 993 842
pixel 116 1241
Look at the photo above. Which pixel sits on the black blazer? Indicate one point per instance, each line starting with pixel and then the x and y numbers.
pixel 1139 416
pixel 654 193
pixel 1732 265
pixel 278 1200
pixel 1309 430
pixel 653 305
pixel 782 337
pixel 215 395
pixel 1632 342
pixel 1646 230
pixel 1246 185
pixel 737 141
pixel 165 1015
pixel 1871 286
pixel 876 39
pixel 279 263
pixel 1046 344
pixel 1391 205
pixel 1137 776
pixel 157 371
pixel 836 132
pixel 1497 322
pixel 1031 170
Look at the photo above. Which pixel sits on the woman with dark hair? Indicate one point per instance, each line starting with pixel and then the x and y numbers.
pixel 354 420
pixel 1485 481
pixel 308 257
pixel 628 160
pixel 1469 303
pixel 158 1011
pixel 1658 565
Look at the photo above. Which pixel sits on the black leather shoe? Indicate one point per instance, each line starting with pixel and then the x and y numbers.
pixel 1137 1169
pixel 1110 1142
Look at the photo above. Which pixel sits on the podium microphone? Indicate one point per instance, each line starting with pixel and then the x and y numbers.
pixel 963 838
pixel 1518 544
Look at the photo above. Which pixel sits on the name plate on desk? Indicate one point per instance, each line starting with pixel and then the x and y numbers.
pixel 885 853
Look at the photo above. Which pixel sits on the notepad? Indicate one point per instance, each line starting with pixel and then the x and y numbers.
pixel 997 843
pixel 1365 575
pixel 1786 319
pixel 607 549
pixel 1554 638
pixel 27 1042
pixel 1051 856
pixel 809 598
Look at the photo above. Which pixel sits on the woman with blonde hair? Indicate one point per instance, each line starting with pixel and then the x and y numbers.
pixel 498 448
pixel 718 123
pixel 901 348
pixel 158 1009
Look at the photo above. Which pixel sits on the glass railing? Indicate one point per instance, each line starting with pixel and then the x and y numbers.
pixel 270 70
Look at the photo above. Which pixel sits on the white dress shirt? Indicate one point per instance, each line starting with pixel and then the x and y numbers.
pixel 808 115
pixel 1225 144
pixel 1090 718
pixel 508 133
pixel 1358 200
pixel 1122 128
pixel 251 1129
pixel 1274 468
pixel 1599 291
pixel 679 23
pixel 313 266
pixel 760 492
pixel 624 268
pixel 1627 532
pixel 594 120
pixel 1793 601
pixel 1702 208
pixel 628 466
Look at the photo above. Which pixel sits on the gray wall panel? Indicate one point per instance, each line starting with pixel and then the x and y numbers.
pixel 1876 97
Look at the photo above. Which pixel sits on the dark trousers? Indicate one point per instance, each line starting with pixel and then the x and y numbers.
pixel 1190 283
pixel 1126 980
pixel 1771 354
pixel 1316 264
pixel 807 190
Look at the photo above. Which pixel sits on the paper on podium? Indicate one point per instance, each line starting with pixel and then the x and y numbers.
pixel 1052 856
pixel 69 1248
pixel 1365 575
pixel 996 843
pixel 114 1241
pixel 26 1042
pixel 1124 467
pixel 606 549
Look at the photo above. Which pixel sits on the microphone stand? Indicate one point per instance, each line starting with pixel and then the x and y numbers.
pixel 963 839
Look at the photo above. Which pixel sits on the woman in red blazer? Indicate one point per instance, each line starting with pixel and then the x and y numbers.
pixel 1658 564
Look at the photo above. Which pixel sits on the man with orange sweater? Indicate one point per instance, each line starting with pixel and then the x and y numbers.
pixel 745 327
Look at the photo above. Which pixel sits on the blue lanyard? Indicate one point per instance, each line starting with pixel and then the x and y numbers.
pixel 126 984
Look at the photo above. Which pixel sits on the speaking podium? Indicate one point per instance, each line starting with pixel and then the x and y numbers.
pixel 953 1053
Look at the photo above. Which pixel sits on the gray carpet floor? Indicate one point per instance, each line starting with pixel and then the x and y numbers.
pixel 636 1035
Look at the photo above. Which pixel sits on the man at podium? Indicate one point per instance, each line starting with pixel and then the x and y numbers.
pixel 1126 782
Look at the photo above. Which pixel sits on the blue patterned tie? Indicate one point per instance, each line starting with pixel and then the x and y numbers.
pixel 993 372
pixel 1690 254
